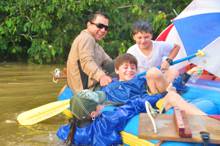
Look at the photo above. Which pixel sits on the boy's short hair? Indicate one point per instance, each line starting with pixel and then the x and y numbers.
pixel 141 26
pixel 125 58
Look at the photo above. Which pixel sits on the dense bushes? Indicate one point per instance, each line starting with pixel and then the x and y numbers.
pixel 41 31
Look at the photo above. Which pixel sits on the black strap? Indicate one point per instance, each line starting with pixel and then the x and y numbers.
pixel 70 139
pixel 84 76
pixel 205 137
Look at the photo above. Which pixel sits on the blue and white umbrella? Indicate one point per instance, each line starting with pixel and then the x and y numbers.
pixel 197 27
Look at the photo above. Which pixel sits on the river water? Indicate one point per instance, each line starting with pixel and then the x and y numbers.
pixel 24 87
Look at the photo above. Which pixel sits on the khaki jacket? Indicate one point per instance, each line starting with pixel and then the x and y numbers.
pixel 91 57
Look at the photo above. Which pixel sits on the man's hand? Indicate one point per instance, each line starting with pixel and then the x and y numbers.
pixel 105 80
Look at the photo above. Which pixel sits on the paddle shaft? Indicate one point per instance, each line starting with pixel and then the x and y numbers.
pixel 173 63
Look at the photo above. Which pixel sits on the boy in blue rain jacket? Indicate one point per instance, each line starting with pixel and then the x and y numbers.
pixel 129 84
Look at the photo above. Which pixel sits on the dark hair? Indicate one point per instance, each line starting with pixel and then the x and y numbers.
pixel 141 26
pixel 125 58
pixel 97 13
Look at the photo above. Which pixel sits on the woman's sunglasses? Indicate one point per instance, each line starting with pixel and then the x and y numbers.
pixel 100 25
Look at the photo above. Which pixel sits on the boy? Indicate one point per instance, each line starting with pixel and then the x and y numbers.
pixel 129 86
pixel 151 53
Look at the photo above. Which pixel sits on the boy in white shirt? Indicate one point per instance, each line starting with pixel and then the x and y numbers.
pixel 151 53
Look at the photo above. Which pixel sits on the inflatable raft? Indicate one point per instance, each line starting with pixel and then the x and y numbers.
pixel 205 94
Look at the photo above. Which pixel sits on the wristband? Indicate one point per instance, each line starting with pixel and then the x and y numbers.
pixel 170 61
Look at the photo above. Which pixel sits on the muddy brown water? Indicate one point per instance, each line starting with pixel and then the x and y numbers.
pixel 24 87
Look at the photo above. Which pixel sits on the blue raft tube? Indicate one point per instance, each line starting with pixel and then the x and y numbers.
pixel 205 95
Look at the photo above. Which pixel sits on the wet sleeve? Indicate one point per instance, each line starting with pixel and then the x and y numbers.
pixel 120 116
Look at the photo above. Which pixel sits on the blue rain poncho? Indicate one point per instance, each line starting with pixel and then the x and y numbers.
pixel 105 129
pixel 123 91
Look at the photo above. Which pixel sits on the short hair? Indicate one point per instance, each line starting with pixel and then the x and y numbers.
pixel 97 13
pixel 125 58
pixel 141 26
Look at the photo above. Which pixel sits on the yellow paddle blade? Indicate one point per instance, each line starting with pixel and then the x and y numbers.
pixel 43 112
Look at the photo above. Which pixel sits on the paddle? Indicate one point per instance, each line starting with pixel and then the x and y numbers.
pixel 46 111
pixel 51 109
pixel 199 53
pixel 43 112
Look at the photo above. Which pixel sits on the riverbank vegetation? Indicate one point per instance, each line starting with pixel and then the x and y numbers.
pixel 41 31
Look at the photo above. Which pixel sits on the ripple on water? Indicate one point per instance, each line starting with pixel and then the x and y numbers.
pixel 24 87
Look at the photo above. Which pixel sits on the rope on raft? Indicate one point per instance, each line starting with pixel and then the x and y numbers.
pixel 151 112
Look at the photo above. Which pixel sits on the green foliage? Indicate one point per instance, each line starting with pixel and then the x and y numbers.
pixel 42 31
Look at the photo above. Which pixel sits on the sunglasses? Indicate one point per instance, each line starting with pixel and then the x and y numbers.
pixel 100 25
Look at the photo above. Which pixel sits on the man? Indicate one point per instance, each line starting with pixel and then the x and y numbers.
pixel 87 59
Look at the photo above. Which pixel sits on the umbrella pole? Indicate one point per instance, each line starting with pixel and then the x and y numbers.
pixel 198 53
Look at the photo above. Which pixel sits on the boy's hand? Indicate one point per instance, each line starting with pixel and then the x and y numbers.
pixel 164 66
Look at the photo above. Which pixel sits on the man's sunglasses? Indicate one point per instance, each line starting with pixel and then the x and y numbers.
pixel 100 25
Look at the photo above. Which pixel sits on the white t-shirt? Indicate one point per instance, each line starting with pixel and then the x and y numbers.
pixel 159 52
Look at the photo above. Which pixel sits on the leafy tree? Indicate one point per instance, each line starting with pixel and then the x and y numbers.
pixel 42 31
